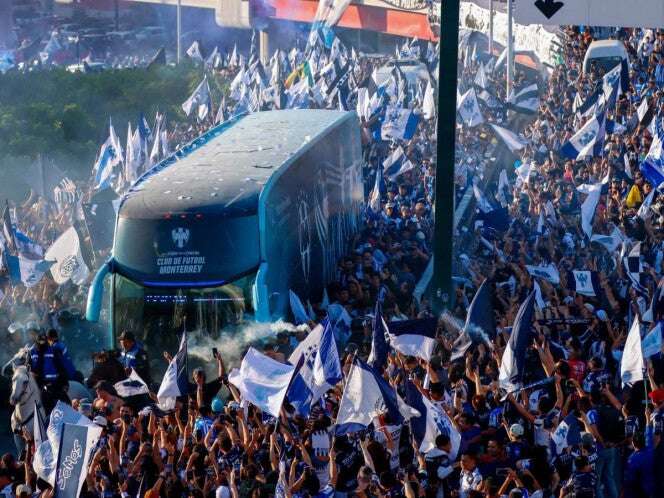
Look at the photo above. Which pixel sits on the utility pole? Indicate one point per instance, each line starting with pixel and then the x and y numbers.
pixel 178 30
pixel 490 27
pixel 510 47
pixel 441 284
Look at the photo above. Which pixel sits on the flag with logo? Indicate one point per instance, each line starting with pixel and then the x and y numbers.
pixel 584 282
pixel 68 262
pixel 432 422
pixel 76 444
pixel 549 273
pixel 588 141
pixel 469 109
pixel 399 124
pixel 194 51
pixel 568 433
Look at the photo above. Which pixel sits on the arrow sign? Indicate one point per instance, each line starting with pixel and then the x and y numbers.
pixel 549 7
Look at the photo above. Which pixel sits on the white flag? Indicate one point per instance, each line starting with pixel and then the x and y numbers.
pixel 262 381
pixel 631 363
pixel 469 109
pixel 194 51
pixel 199 101
pixel 69 263
pixel 429 103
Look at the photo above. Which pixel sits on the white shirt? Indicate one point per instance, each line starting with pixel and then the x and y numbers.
pixel 469 481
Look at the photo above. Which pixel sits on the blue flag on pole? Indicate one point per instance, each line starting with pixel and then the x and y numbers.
pixel 367 396
pixel 414 337
pixel 379 347
pixel 514 357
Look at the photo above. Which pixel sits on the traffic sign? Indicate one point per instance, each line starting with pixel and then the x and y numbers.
pixel 632 13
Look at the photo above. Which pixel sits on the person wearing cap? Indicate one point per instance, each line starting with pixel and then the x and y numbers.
pixel 439 466
pixel 516 448
pixel 133 356
pixel 23 491
pixel 48 367
pixel 655 417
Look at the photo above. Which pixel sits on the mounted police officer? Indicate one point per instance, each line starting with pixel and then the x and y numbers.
pixel 48 367
pixel 132 355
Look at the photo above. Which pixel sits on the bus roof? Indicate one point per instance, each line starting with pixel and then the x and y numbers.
pixel 224 170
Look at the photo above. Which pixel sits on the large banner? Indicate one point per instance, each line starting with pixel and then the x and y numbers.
pixel 76 442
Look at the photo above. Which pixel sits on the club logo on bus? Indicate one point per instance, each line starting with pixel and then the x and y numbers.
pixel 180 236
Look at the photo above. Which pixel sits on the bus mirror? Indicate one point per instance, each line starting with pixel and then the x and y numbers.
pixel 96 293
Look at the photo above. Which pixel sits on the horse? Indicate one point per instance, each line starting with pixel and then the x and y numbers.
pixel 24 397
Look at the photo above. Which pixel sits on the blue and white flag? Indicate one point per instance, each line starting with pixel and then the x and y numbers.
pixel 568 433
pixel 652 342
pixel 194 51
pixel 589 205
pixel 297 308
pixel 512 363
pixel 327 367
pixel 656 310
pixel 131 386
pixel 68 262
pixel 317 368
pixel 611 242
pixel 413 337
pixel 110 156
pixel 611 87
pixel 549 273
pixel 175 382
pixel 199 101
pixel 379 188
pixel 588 141
pixel 367 396
pixel 631 363
pixel 432 422
pixel 300 393
pixel 399 124
pixel 480 322
pixel 652 166
pixel 634 269
pixel 262 381
pixel 511 140
pixel 46 454
pixel 469 109
pixel 379 347
pixel 526 100
pixel 480 78
pixel 76 444
pixel 584 282
pixel 25 270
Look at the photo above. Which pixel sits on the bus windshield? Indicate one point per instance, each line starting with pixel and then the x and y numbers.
pixel 157 315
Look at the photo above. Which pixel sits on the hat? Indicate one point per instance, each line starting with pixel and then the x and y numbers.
pixel 127 336
pixel 601 314
pixel 657 396
pixel 516 430
pixel 589 307
pixel 100 421
pixel 23 488
pixel 217 405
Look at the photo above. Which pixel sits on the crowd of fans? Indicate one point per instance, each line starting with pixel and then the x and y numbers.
pixel 214 444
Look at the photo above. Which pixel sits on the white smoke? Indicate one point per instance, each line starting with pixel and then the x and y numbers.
pixel 234 341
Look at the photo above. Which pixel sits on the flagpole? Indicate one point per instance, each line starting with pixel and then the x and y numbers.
pixel 178 29
pixel 510 48
pixel 440 289
pixel 490 27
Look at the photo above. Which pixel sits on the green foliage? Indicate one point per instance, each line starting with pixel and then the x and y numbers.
pixel 64 116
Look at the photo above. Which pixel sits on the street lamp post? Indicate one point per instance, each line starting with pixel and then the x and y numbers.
pixel 441 284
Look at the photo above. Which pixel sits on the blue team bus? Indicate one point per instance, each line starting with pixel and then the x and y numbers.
pixel 222 230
